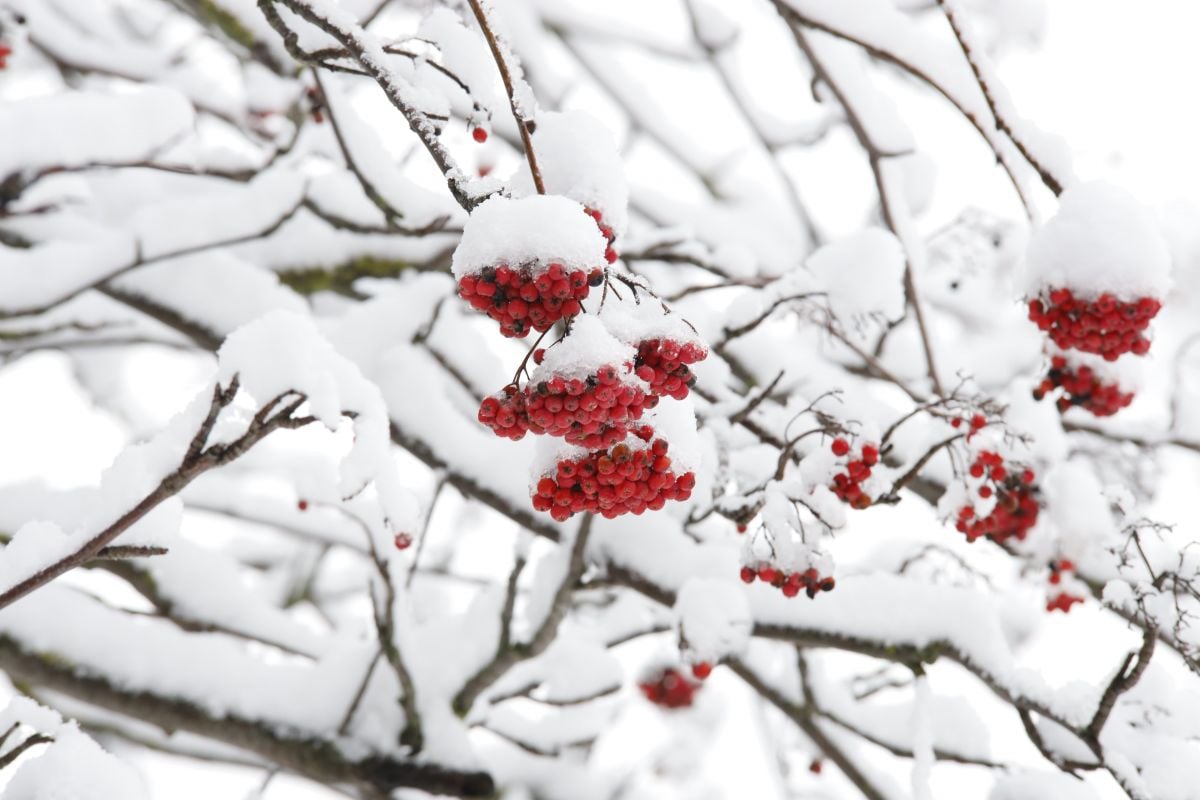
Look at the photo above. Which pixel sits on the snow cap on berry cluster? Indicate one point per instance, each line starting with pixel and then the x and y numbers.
pixel 589 347
pixel 534 231
pixel 714 618
pixel 1101 240
pixel 634 322
pixel 578 158
pixel 861 275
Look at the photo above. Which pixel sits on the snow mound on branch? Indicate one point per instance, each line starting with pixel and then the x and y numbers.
pixel 1101 240
pixel 284 352
pixel 862 275
pixel 75 768
pixel 533 230
pixel 714 618
pixel 578 158
pixel 589 347
pixel 71 129
pixel 1030 785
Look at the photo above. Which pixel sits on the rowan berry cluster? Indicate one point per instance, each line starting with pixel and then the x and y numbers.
pixel 522 299
pixel 610 253
pixel 1082 387
pixel 789 583
pixel 663 364
pixel 631 476
pixel 1106 326
pixel 1015 510
pixel 669 688
pixel 594 412
pixel 1062 600
pixel 847 485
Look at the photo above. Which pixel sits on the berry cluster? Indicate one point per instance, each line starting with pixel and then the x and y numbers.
pixel 976 423
pixel 663 363
pixel 1062 600
pixel 522 300
pixel 1082 387
pixel 669 689
pixel 1105 326
pixel 1016 508
pixel 847 485
pixel 790 583
pixel 625 478
pixel 610 254
pixel 594 412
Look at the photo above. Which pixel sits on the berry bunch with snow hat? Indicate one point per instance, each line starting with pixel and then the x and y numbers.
pixel 1097 273
pixel 530 262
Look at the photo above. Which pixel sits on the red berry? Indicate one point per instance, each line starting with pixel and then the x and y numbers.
pixel 403 541
pixel 302 505
pixel 840 447
pixel 702 670
pixel 480 134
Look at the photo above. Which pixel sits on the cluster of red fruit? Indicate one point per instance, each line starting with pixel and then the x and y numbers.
pixel 1105 326
pixel 1016 508
pixel 1082 387
pixel 664 364
pixel 622 479
pixel 610 254
pixel 976 424
pixel 846 485
pixel 594 412
pixel 790 583
pixel 5 52
pixel 670 688
pixel 1063 600
pixel 521 300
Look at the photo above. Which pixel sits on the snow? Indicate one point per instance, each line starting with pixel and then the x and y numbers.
pixel 1101 240
pixel 121 128
pixel 182 283
pixel 537 230
pixel 465 53
pixel 1025 784
pixel 217 217
pixel 40 275
pixel 75 768
pixel 634 320
pixel 862 275
pixel 578 158
pixel 714 618
pixel 331 385
pixel 588 348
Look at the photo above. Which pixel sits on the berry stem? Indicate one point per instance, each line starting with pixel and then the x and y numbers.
pixel 516 381
pixel 523 124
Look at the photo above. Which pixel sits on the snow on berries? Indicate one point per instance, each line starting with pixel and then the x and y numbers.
pixel 1097 272
pixel 1060 595
pixel 847 483
pixel 666 346
pixel 669 688
pixel 1084 386
pixel 1004 505
pixel 528 263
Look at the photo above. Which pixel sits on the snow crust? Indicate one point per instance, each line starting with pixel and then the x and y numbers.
pixel 1101 240
pixel 537 230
